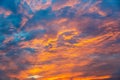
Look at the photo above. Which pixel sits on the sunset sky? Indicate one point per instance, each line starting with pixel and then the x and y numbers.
pixel 59 39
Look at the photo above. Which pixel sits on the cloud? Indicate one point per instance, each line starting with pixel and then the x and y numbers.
pixel 59 40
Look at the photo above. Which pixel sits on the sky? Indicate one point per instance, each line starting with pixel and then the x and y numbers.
pixel 59 39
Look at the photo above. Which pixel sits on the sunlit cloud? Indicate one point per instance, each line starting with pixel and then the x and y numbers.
pixel 59 40
pixel 34 77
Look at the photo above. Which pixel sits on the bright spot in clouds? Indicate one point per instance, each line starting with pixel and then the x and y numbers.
pixel 34 76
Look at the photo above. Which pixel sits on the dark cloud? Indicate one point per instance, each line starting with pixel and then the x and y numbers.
pixel 3 76
pixel 115 75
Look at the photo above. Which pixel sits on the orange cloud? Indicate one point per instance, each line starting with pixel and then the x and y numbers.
pixel 82 47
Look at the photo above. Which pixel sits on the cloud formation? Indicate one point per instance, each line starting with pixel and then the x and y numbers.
pixel 59 40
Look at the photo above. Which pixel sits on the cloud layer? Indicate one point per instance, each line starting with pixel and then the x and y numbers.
pixel 59 40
